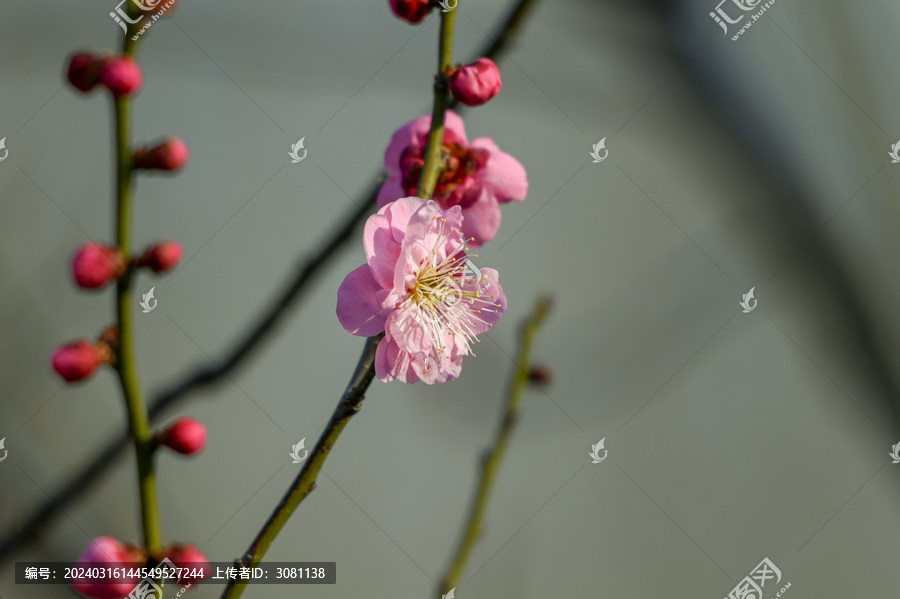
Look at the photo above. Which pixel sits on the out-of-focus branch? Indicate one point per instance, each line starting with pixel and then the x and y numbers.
pixel 246 345
pixel 494 456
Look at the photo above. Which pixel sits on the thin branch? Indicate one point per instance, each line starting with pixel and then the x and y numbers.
pixel 303 485
pixel 432 168
pixel 494 456
pixel 126 362
pixel 244 347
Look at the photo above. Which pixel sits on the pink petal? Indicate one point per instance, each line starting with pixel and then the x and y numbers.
pixel 390 191
pixel 383 235
pixel 440 370
pixel 414 133
pixel 360 303
pixel 424 232
pixel 453 124
pixel 503 175
pixel 391 363
pixel 409 333
pixel 492 294
pixel 481 220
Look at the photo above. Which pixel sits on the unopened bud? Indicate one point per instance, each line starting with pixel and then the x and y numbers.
pixel 476 83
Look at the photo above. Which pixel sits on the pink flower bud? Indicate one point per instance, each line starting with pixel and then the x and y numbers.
pixel 475 83
pixel 111 553
pixel 185 436
pixel 162 256
pixel 188 556
pixel 94 265
pixel 122 76
pixel 78 360
pixel 170 155
pixel 84 71
pixel 411 10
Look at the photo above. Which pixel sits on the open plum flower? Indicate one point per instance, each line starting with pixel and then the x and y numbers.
pixel 475 176
pixel 416 288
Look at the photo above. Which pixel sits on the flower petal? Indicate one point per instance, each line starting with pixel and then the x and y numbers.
pixel 383 236
pixel 503 175
pixel 392 363
pixel 414 133
pixel 489 311
pixel 390 191
pixel 360 299
pixel 481 220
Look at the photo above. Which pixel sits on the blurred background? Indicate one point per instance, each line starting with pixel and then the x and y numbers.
pixel 760 162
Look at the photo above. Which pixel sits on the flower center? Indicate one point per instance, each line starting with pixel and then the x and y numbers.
pixel 445 297
pixel 456 185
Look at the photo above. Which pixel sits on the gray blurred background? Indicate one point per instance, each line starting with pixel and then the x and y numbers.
pixel 761 162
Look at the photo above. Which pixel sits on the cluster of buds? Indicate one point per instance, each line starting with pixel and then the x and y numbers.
pixel 472 84
pixel 95 265
pixel 121 75
pixel 109 552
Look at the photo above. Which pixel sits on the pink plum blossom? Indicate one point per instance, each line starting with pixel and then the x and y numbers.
pixel 416 289
pixel 476 176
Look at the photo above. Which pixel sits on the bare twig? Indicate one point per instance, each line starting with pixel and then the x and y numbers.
pixel 303 485
pixel 494 456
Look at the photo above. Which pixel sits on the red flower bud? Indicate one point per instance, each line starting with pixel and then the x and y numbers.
pixel 411 10
pixel 84 71
pixel 170 155
pixel 122 76
pixel 475 83
pixel 115 554
pixel 186 435
pixel 78 360
pixel 94 265
pixel 162 256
